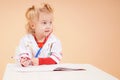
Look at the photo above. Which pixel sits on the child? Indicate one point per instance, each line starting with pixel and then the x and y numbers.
pixel 39 46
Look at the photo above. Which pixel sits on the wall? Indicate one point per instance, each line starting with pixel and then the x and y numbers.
pixel 88 29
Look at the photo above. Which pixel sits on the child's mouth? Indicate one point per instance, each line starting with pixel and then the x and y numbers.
pixel 47 30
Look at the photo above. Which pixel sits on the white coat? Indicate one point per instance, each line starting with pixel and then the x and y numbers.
pixel 28 47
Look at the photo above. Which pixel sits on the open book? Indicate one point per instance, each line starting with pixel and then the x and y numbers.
pixel 67 69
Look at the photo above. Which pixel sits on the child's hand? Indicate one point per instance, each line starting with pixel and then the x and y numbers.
pixel 35 61
pixel 25 61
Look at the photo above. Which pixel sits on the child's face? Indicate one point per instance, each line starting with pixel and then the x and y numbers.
pixel 44 26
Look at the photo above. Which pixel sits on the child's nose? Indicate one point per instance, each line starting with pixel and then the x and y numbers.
pixel 48 25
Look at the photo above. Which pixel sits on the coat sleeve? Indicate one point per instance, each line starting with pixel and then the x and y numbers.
pixel 56 51
pixel 23 49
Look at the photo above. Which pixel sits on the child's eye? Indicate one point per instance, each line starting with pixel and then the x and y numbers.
pixel 44 22
pixel 50 22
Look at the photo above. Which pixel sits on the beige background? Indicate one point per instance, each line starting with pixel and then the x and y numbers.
pixel 88 29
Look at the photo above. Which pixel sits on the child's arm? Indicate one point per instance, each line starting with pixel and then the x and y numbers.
pixel 46 61
pixel 23 53
pixel 54 57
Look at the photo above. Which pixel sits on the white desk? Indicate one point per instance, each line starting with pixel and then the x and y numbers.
pixel 13 72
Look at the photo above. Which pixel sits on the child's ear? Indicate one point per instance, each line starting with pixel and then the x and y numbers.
pixel 32 25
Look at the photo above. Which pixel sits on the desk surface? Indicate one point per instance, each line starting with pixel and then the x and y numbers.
pixel 44 72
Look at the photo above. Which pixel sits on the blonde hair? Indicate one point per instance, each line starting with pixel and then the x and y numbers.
pixel 33 13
